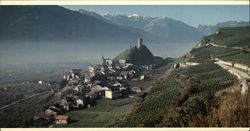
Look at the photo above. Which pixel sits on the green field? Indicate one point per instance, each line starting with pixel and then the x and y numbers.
pixel 22 113
pixel 102 114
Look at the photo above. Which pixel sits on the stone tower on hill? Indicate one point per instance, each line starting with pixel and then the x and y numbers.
pixel 139 43
pixel 138 54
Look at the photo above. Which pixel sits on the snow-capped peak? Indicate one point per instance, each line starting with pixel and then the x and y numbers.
pixel 134 15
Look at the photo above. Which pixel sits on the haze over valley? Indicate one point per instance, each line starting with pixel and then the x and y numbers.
pixel 56 34
pixel 111 66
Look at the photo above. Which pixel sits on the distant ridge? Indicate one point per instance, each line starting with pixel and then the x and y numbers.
pixel 209 29
pixel 168 28
pixel 58 24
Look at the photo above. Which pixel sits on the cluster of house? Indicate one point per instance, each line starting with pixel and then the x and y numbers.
pixel 107 80
pixel 53 114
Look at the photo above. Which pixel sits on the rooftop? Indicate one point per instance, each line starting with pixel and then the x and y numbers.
pixel 62 117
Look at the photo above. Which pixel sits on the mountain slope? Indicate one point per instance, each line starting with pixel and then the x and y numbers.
pixel 229 44
pixel 168 28
pixel 55 23
pixel 209 29
pixel 93 14
pixel 231 37
pixel 197 92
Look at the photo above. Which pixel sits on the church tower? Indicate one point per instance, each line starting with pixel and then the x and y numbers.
pixel 139 43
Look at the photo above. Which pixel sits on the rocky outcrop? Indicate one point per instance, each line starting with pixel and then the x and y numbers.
pixel 138 54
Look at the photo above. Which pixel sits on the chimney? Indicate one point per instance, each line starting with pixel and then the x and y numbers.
pixel 139 43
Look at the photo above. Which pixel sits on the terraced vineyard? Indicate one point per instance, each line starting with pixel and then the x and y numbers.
pixel 212 78
pixel 243 58
pixel 228 37
pixel 227 54
pixel 187 97
pixel 152 108
pixel 169 93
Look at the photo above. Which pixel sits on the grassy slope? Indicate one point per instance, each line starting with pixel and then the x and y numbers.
pixel 228 54
pixel 232 37
pixel 21 114
pixel 103 113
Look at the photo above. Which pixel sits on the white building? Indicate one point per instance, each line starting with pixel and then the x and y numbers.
pixel 142 77
pixel 87 80
pixel 122 62
pixel 40 82
pixel 112 94
pixel 79 102
pixel 107 61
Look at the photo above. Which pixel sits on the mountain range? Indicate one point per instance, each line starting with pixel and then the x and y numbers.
pixel 209 29
pixel 165 27
pixel 56 23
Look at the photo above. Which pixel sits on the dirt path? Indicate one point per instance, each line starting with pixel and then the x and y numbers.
pixel 58 94
pixel 222 46
pixel 22 100
pixel 240 74
pixel 215 45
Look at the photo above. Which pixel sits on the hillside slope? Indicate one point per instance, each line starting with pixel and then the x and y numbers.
pixel 55 23
pixel 228 44
pixel 197 92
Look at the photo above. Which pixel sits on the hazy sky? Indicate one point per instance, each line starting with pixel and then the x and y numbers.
pixel 190 14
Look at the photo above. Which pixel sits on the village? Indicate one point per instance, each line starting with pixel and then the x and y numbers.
pixel 82 88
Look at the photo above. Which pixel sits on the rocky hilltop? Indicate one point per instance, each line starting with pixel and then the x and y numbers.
pixel 138 54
